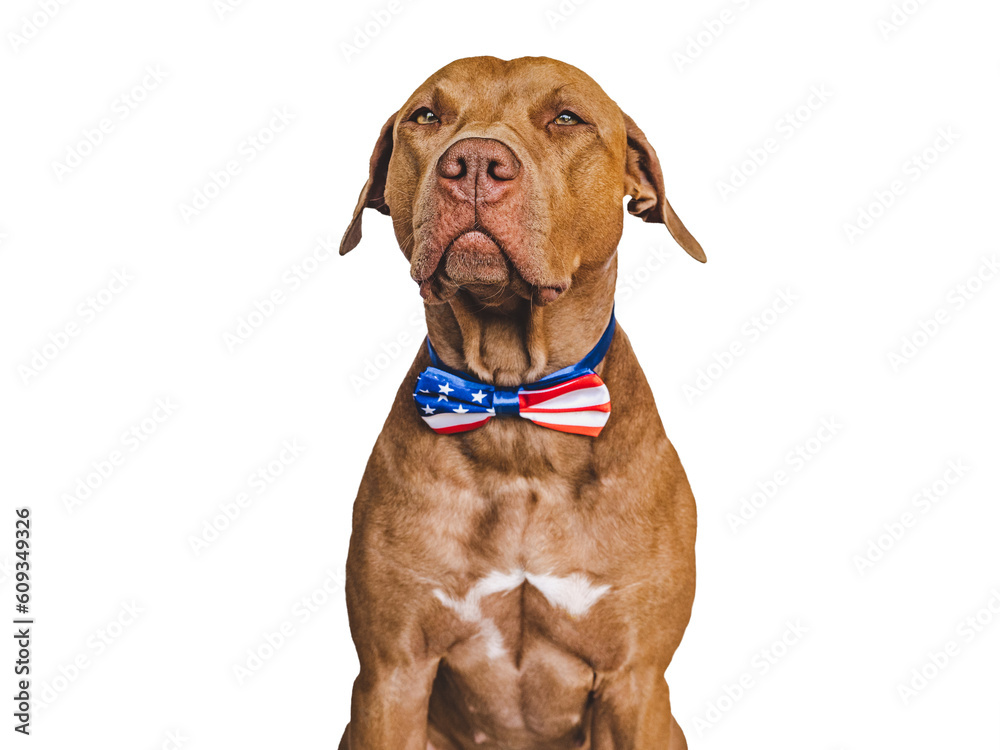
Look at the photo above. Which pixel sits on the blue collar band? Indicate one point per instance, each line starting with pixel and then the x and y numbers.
pixel 505 400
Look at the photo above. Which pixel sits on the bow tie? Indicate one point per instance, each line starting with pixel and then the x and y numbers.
pixel 573 399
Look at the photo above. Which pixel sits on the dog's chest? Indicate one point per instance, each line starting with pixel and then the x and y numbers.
pixel 523 667
pixel 536 606
pixel 503 602
pixel 533 554
pixel 533 560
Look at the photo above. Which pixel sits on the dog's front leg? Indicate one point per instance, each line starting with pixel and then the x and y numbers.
pixel 391 613
pixel 389 707
pixel 632 710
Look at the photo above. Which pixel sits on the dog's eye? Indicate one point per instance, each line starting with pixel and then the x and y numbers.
pixel 424 116
pixel 567 118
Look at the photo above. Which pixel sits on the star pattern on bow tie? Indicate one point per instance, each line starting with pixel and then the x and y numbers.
pixel 573 399
pixel 579 404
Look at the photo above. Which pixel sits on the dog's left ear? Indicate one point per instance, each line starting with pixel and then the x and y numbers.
pixel 644 182
pixel 373 193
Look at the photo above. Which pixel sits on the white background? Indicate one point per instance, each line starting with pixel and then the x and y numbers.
pixel 888 92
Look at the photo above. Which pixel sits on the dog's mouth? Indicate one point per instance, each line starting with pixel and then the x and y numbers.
pixel 476 261
pixel 475 257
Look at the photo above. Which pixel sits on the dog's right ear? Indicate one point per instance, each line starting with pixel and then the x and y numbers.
pixel 644 182
pixel 373 193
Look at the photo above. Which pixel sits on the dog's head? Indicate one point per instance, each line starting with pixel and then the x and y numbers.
pixel 505 177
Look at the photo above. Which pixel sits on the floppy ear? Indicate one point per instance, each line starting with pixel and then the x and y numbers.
pixel 644 182
pixel 373 193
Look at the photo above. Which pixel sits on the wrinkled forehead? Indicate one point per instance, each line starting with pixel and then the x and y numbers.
pixel 488 88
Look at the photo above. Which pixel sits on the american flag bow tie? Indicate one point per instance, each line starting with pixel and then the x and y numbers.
pixel 573 399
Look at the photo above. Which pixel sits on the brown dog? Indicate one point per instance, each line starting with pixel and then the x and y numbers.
pixel 515 586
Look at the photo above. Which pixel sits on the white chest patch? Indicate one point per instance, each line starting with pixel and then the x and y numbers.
pixel 574 594
pixel 468 610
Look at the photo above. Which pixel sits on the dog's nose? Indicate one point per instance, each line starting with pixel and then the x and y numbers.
pixel 478 169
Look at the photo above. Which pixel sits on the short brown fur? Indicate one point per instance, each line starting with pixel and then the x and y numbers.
pixel 518 276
